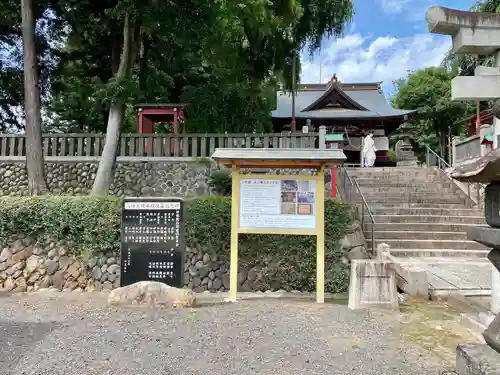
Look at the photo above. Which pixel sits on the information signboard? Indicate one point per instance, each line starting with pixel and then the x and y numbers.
pixel 277 204
pixel 152 241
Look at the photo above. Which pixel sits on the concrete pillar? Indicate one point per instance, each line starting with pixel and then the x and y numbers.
pixel 495 290
pixel 322 137
pixel 496 122
pixel 484 130
pixel 453 150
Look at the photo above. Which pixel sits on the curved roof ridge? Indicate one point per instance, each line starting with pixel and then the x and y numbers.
pixel 335 86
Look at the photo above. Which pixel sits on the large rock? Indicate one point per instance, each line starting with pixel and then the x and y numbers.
pixel 32 264
pixel 5 254
pixel 152 293
pixel 51 266
pixel 23 254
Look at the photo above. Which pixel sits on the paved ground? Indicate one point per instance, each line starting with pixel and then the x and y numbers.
pixel 468 276
pixel 73 334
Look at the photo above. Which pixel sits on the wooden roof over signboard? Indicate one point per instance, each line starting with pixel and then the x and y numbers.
pixel 278 158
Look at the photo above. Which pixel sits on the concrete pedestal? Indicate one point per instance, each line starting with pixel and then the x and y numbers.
pixel 477 360
pixel 496 131
pixel 495 290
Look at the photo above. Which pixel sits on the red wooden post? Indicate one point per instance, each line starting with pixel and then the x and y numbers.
pixel 175 130
pixel 140 121
pixel 334 183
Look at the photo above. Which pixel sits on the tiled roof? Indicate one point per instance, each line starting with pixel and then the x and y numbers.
pixel 369 96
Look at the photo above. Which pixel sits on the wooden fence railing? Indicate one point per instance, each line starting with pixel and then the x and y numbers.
pixel 189 145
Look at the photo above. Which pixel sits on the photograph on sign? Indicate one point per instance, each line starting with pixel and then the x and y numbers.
pixel 277 204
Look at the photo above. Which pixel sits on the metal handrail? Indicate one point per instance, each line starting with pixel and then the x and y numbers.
pixel 441 161
pixel 350 187
pixel 472 187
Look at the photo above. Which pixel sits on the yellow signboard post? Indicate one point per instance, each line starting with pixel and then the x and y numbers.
pixel 278 204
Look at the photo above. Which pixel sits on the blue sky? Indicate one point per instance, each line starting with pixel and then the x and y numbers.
pixel 386 40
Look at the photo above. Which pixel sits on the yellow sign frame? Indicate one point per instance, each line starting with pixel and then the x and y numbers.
pixel 319 230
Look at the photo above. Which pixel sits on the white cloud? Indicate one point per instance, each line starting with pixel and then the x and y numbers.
pixel 397 6
pixel 356 58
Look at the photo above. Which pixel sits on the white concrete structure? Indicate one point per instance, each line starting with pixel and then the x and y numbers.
pixel 476 33
pixel 372 284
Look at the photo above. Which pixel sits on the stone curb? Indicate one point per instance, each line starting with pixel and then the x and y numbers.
pixel 210 296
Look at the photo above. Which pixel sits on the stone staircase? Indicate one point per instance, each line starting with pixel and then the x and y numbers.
pixel 419 212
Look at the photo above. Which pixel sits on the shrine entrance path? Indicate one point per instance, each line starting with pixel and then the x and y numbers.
pixel 77 334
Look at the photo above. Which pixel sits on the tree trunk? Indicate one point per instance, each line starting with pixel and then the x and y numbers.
pixel 34 150
pixel 105 172
pixel 143 68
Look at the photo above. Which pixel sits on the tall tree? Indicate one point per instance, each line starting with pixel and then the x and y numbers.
pixel 104 176
pixel 438 118
pixel 140 21
pixel 34 153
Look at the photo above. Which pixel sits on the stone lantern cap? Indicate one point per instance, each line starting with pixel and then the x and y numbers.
pixel 483 170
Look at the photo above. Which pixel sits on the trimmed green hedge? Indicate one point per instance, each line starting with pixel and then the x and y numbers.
pixel 293 258
pixel 92 225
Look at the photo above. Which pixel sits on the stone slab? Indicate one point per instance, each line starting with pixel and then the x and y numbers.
pixel 373 284
pixel 477 360
pixel 486 235
pixel 409 278
pixel 468 276
pixel 474 88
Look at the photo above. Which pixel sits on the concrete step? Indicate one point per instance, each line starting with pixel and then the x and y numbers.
pixel 412 253
pixel 378 200
pixel 397 183
pixel 404 190
pixel 417 205
pixel 428 244
pixel 417 235
pixel 401 180
pixel 412 196
pixel 379 210
pixel 428 219
pixel 409 173
pixel 421 227
pixel 388 170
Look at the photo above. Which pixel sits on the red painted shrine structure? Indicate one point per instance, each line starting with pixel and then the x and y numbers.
pixel 149 114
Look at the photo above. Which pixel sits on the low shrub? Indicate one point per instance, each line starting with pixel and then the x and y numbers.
pixel 88 224
pixel 290 260
pixel 220 181
pixel 91 225
pixel 391 155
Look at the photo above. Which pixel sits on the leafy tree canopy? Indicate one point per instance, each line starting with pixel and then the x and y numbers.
pixel 226 59
pixel 438 118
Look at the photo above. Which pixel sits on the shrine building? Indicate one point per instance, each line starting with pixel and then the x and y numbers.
pixel 349 109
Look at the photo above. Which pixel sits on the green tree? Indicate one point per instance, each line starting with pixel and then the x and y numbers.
pixel 438 118
pixel 11 57
pixel 226 59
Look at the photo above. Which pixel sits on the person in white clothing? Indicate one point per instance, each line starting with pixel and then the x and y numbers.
pixel 369 150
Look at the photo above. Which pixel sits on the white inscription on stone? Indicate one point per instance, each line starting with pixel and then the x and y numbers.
pixel 152 205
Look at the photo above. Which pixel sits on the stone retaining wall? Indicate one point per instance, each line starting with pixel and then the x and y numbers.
pixel 180 177
pixel 184 177
pixel 27 265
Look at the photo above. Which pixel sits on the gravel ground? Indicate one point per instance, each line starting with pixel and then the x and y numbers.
pixel 73 334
